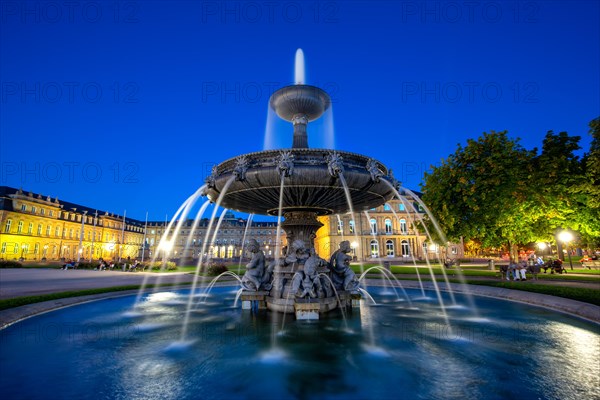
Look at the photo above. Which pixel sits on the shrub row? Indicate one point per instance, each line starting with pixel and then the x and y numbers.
pixel 10 264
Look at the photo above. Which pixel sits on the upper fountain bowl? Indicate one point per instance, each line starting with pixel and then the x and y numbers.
pixel 251 183
pixel 300 100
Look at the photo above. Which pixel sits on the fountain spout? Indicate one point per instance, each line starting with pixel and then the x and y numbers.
pixel 300 103
pixel 299 78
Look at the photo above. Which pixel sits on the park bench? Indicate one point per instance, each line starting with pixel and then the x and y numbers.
pixel 591 264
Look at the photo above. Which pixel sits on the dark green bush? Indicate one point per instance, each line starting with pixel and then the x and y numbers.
pixel 158 265
pixel 215 269
pixel 10 264
pixel 87 265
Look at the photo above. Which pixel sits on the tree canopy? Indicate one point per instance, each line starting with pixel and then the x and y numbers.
pixel 494 191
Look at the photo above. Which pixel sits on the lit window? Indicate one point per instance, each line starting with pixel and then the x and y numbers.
pixel 389 248
pixel 373 226
pixel 351 226
pixel 403 228
pixel 405 249
pixel 374 248
pixel 386 207
pixel 388 226
pixel 340 227
pixel 401 207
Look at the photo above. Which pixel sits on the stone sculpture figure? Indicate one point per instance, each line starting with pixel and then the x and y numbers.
pixel 307 282
pixel 342 276
pixel 285 164
pixel 335 165
pixel 256 275
pixel 374 170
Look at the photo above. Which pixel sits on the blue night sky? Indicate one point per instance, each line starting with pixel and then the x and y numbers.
pixel 126 105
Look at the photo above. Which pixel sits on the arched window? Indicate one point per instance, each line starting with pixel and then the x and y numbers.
pixel 389 248
pixel 401 207
pixel 386 207
pixel 373 226
pixel 340 227
pixel 388 226
pixel 374 248
pixel 403 227
pixel 405 249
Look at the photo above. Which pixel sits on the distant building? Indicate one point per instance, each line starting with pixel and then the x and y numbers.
pixel 36 227
pixel 393 232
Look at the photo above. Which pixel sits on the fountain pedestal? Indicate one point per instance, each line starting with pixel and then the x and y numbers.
pixel 254 300
pixel 307 310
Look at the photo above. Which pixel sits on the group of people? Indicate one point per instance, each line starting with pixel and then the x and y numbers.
pixel 127 266
pixel 518 270
pixel 104 265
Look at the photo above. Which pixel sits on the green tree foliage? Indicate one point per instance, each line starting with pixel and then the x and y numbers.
pixel 589 189
pixel 495 192
pixel 480 192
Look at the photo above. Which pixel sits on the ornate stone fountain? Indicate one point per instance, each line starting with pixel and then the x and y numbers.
pixel 307 183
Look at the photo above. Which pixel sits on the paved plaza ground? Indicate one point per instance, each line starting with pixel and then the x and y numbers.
pixel 29 282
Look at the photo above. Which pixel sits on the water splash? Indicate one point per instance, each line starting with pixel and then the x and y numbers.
pixel 299 75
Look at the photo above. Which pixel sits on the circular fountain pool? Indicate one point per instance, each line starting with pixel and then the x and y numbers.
pixel 395 349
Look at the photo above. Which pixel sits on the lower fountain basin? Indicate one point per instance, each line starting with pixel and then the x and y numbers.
pixel 310 185
pixel 395 349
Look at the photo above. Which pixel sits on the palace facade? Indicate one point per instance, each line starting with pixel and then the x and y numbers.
pixel 36 227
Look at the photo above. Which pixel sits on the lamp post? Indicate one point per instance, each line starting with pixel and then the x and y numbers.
pixel 542 246
pixel 93 236
pixel 81 236
pixel 566 237
pixel 353 246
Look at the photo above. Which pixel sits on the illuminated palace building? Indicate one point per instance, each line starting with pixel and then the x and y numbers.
pixel 37 227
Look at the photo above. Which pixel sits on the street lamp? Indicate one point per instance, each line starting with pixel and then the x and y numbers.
pixel 542 246
pixel 566 237
pixel 353 246
pixel 81 236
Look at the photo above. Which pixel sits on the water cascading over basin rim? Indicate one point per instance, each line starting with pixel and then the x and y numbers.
pixel 309 186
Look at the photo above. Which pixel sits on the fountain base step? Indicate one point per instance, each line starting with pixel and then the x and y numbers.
pixel 307 310
pixel 254 300
pixel 288 304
